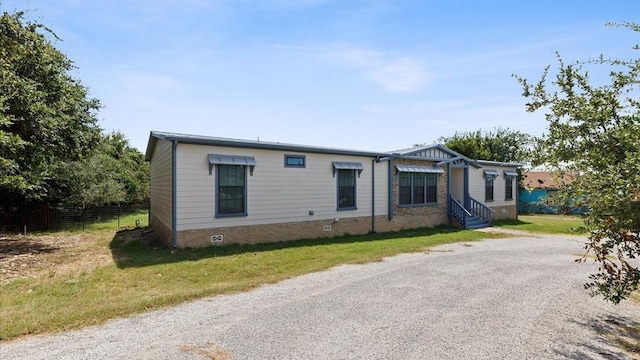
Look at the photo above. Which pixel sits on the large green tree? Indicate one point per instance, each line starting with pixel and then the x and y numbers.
pixel 46 115
pixel 501 144
pixel 594 133
pixel 113 173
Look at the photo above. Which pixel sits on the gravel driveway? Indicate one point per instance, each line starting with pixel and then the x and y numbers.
pixel 510 298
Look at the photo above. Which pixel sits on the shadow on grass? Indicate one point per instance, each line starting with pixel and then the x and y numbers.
pixel 11 246
pixel 139 248
pixel 513 222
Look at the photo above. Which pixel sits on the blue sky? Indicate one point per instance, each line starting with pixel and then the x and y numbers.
pixel 367 75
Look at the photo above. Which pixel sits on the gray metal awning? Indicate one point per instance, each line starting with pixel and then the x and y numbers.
pixel 216 159
pixel 420 169
pixel 491 173
pixel 345 165
pixel 510 173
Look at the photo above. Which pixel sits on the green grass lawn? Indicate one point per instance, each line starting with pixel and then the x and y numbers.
pixel 550 224
pixel 144 276
pixel 126 220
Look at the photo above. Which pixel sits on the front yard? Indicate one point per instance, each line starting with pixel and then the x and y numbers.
pixel 61 281
pixel 54 282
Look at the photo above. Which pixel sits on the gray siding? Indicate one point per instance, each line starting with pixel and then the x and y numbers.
pixel 276 194
pixel 476 185
pixel 161 183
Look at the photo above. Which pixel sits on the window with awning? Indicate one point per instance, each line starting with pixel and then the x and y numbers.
pixel 418 185
pixel 346 165
pixel 346 171
pixel 490 173
pixel 509 175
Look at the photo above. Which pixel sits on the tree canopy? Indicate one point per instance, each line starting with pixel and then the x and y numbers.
pixel 51 148
pixel 46 115
pixel 113 173
pixel 594 132
pixel 505 145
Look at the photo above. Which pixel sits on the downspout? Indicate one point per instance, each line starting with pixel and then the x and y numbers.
pixel 517 194
pixel 373 195
pixel 390 183
pixel 174 194
pixel 449 194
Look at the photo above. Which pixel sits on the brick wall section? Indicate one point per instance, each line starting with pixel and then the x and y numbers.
pixel 420 216
pixel 254 234
pixel 504 212
pixel 164 233
pixel 417 217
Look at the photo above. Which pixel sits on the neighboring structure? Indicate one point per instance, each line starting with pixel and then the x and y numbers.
pixel 209 190
pixel 538 188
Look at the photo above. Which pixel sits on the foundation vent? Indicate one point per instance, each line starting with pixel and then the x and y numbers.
pixel 217 239
pixel 326 228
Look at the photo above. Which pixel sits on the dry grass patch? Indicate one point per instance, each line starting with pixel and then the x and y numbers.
pixel 50 255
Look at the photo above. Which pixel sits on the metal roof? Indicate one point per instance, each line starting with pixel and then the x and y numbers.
pixel 420 169
pixel 154 136
pixel 435 152
pixel 347 165
pixel 232 160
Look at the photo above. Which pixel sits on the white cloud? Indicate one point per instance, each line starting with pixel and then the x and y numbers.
pixel 393 74
pixel 400 75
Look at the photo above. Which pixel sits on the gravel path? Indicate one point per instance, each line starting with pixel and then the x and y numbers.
pixel 496 299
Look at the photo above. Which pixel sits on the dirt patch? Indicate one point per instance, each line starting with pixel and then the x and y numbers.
pixel 506 233
pixel 210 351
pixel 52 255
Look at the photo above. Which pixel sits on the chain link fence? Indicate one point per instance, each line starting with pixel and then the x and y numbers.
pixel 46 217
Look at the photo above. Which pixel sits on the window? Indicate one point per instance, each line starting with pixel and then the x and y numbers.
pixel 418 184
pixel 418 188
pixel 231 199
pixel 508 187
pixel 298 161
pixel 231 180
pixel 346 189
pixel 488 188
pixel 489 177
pixel 509 176
pixel 346 172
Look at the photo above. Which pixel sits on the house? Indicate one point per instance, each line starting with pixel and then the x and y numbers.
pixel 209 190
pixel 538 188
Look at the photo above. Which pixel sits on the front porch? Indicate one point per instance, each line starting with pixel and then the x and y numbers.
pixel 458 190
pixel 468 212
